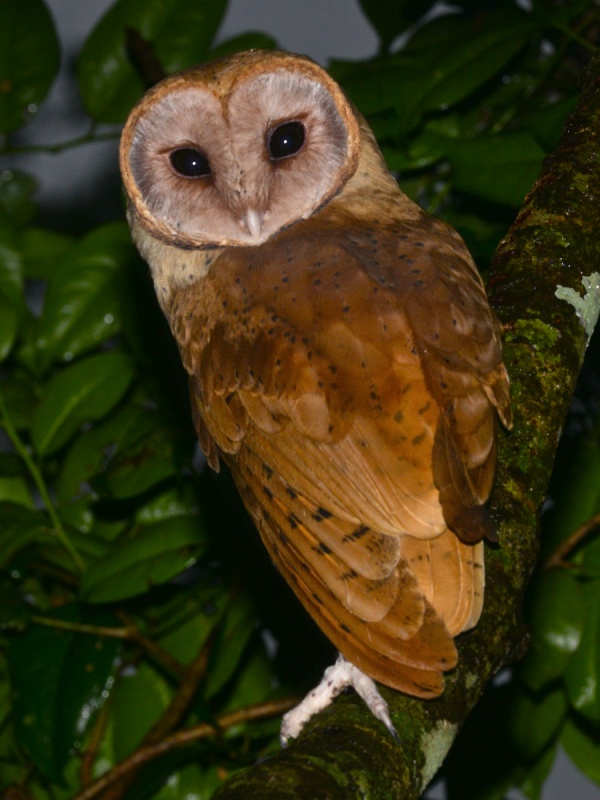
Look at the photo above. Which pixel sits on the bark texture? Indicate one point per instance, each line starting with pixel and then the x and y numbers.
pixel 344 752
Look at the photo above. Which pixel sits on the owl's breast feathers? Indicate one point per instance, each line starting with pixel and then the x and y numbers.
pixel 351 378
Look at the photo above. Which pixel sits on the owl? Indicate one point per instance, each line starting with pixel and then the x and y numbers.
pixel 342 357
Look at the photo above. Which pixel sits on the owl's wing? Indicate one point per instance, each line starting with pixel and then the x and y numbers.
pixel 316 377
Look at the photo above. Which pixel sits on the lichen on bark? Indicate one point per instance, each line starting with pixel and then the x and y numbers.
pixel 344 752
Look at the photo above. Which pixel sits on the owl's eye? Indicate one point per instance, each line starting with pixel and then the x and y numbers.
pixel 285 140
pixel 190 163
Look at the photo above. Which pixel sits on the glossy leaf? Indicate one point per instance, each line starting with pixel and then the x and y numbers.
pixel 58 690
pixel 141 695
pixel 582 675
pixel 555 615
pixel 501 169
pixel 392 17
pixel 179 33
pixel 582 746
pixel 81 393
pixel 86 680
pixel 29 59
pixel 469 50
pixel 534 720
pixel 154 555
pixel 35 683
pixel 81 307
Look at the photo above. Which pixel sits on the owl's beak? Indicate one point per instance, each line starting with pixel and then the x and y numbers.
pixel 253 220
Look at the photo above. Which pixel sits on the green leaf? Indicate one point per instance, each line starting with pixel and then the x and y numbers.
pixel 9 323
pixel 190 618
pixel 179 31
pixel 16 190
pixel 85 681
pixel 42 251
pixel 469 51
pixel 140 697
pixel 576 494
pixel 20 401
pixel 582 745
pixel 83 392
pixel 153 555
pixel 29 59
pixel 582 674
pixel 82 304
pixel 534 720
pixel 35 682
pixel 11 269
pixel 555 614
pixel 58 688
pixel 498 168
pixel 390 18
pixel 139 465
pixel 235 632
pixel 20 525
pixel 532 784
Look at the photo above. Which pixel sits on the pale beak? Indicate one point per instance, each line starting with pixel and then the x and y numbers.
pixel 253 222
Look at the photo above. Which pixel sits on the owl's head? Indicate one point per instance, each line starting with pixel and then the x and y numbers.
pixel 231 152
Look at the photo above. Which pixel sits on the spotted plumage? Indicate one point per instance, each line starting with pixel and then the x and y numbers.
pixel 342 356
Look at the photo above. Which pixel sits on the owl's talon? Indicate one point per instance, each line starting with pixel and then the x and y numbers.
pixel 336 678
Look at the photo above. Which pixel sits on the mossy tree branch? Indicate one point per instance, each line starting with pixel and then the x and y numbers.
pixel 344 752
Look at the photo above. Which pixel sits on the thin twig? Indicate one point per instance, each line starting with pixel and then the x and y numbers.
pixel 149 752
pixel 560 555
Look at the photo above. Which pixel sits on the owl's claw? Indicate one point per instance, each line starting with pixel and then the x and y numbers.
pixel 336 678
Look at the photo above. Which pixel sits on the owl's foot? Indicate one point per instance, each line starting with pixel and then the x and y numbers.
pixel 336 678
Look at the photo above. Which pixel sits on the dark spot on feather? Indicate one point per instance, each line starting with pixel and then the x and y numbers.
pixel 268 492
pixel 283 538
pixel 344 627
pixel 398 417
pixel 419 244
pixel 293 521
pixel 291 493
pixel 356 534
pixel 322 513
pixel 317 282
pixel 425 408
pixel 418 439
pixel 346 309
pixel 323 549
pixel 267 470
pixel 317 599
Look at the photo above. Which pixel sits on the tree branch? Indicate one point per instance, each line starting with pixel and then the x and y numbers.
pixel 344 752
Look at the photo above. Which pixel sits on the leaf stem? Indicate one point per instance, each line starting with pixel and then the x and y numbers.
pixel 40 484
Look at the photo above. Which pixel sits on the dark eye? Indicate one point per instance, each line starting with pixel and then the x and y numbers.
pixel 286 140
pixel 190 163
